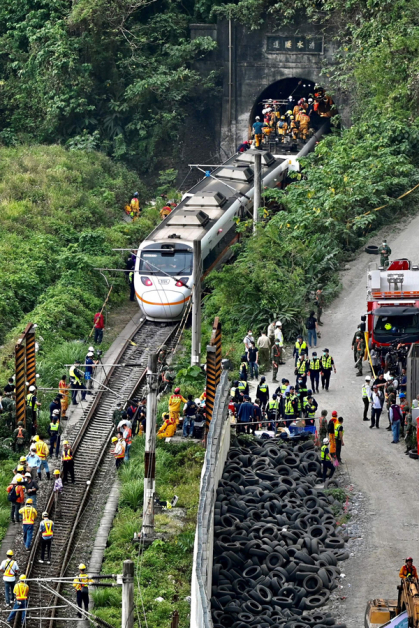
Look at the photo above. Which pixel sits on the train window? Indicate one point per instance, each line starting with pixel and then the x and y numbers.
pixel 160 263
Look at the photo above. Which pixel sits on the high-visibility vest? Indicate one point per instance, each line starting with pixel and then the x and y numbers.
pixel 364 392
pixel 327 362
pixel 301 347
pixel 121 453
pixel 263 389
pixel 315 365
pixel 73 375
pixel 67 455
pixel 130 276
pixel 29 398
pixel 54 426
pixel 289 408
pixel 273 404
pixel 42 449
pixel 323 455
pixel 29 514
pixel 48 533
pixel 302 367
pixel 283 388
pixel 311 410
pixel 82 581
pixel 232 391
pixel 21 591
pixel 337 431
pixel 11 566
pixel 242 385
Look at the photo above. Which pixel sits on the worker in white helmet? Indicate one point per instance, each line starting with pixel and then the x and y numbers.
pixel 326 460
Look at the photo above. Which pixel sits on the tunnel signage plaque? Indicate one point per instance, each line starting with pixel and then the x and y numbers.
pixel 294 44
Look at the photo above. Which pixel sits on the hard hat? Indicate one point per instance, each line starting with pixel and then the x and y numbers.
pixel 290 98
pixel 56 412
pixel 36 438
pixel 91 349
pixel 325 441
pixel 368 378
pixel 82 566
pixel 177 390
pixel 135 193
pixel 282 117
pixel 56 472
pixel 19 478
pixel 20 468
pixel 9 553
pixel 65 442
pixel 334 413
pixel 32 388
pixel 402 395
pixel 410 558
pixel 29 501
pixel 114 439
pixel 22 459
pixel 28 475
pixel 291 117
pixel 257 118
pixel 45 514
pixel 22 577
pixel 90 354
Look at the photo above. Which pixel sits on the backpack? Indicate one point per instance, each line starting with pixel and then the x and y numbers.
pixel 310 323
pixel 20 438
pixel 397 415
pixel 12 496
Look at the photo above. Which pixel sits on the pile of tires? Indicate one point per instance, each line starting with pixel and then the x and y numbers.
pixel 276 548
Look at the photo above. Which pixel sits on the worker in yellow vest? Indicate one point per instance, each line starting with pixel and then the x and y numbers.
pixel 29 514
pixel 9 569
pixel 46 529
pixel 42 451
pixel 118 450
pixel 175 402
pixel 81 584
pixel 21 593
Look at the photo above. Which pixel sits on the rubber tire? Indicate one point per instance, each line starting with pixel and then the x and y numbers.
pixel 372 249
pixel 312 584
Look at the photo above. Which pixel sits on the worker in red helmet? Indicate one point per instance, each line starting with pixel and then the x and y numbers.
pixel 175 402
pixel 408 570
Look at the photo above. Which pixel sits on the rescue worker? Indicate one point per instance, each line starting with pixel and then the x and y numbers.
pixel 262 393
pixel 135 206
pixel 304 121
pixel 29 514
pixel 360 352
pixel 408 570
pixel 9 569
pixel 302 368
pixel 81 584
pixel 366 396
pixel 118 451
pixel 131 286
pixel 175 402
pixel 282 128
pixel 273 412
pixel 55 435
pixel 326 460
pixel 76 381
pixel 314 371
pixel 257 129
pixel 33 461
pixel 310 409
pixel 327 364
pixel 358 334
pixel 32 405
pixel 63 387
pixel 293 128
pixel 68 462
pixel 42 451
pixel 168 429
pixel 19 437
pixel 300 348
pixel 339 438
pixel 319 304
pixel 264 346
pixel 385 252
pixel 31 488
pixel 58 489
pixel 165 211
pixel 46 530
pixel 16 497
pixel 331 432
pixel 21 593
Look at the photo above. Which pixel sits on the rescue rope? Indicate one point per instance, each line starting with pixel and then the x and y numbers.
pixel 383 206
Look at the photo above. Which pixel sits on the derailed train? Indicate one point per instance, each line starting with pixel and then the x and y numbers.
pixel 208 212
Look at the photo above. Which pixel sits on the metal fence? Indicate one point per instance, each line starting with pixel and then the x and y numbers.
pixel 218 444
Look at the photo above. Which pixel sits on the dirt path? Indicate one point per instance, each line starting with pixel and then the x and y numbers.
pixel 379 470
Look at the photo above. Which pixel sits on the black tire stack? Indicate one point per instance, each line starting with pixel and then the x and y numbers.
pixel 276 549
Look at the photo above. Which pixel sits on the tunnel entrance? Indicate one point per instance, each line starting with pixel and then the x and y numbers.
pixel 281 90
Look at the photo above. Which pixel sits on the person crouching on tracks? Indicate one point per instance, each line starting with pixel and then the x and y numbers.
pixel 68 462
pixel 21 593
pixel 175 402
pixel 46 529
pixel 81 584
pixel 118 450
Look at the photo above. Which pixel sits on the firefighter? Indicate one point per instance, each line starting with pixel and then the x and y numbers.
pixel 327 364
pixel 135 206
pixel 168 429
pixel 304 121
pixel 32 405
pixel 326 460
pixel 42 451
pixel 68 462
pixel 314 371
pixel 21 592
pixel 408 570
pixel 29 514
pixel 118 450
pixel 175 401
pixel 293 128
pixel 63 387
pixel 9 569
pixel 360 351
pixel 81 584
pixel 385 252
pixel 282 128
pixel 46 530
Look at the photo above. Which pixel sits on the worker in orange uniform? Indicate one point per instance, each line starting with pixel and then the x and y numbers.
pixel 29 515
pixel 118 450
pixel 293 128
pixel 42 451
pixel 331 433
pixel 175 402
pixel 168 429
pixel 68 462
pixel 81 584
pixel 46 530
pixel 165 211
pixel 408 570
pixel 16 496
pixel 282 128
pixel 135 206
pixel 304 120
pixel 63 387
pixel 21 593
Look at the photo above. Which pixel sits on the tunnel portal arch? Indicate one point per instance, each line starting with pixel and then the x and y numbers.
pixel 297 87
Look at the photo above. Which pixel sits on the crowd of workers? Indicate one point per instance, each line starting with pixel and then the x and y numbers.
pixel 291 120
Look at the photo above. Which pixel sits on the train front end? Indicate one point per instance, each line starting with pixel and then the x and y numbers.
pixel 163 279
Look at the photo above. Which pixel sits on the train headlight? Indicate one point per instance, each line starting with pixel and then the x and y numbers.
pixel 182 282
pixel 146 281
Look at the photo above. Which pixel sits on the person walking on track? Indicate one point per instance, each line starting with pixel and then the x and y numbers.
pixel 46 530
pixel 9 569
pixel 21 593
pixel 81 584
pixel 68 462
pixel 29 515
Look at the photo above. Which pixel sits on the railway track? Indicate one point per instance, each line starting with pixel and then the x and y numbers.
pixel 91 453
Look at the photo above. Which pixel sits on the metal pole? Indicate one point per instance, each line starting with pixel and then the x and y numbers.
pixel 258 188
pixel 196 305
pixel 150 447
pixel 128 594
pixel 230 74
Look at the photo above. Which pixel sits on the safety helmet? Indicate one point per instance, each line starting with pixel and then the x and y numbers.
pixel 325 441
pixel 19 478
pixel 36 438
pixel 91 348
pixel 410 558
pixel 82 566
pixel 45 514
pixel 282 117
pixel 291 117
pixel 402 395
pixel 28 475
pixel 9 553
pixel 334 413
pixel 65 442
pixel 310 100
pixel 56 472
pixel 22 459
pixel 32 388
pixel 56 412
pixel 114 439
pixel 290 98
pixel 177 390
pixel 90 354
pixel 257 118
pixel 22 577
pixel 29 501
pixel 20 468
pixel 368 378
pixel 135 193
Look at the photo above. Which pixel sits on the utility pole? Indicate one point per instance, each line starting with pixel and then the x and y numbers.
pixel 150 448
pixel 258 188
pixel 196 304
pixel 128 594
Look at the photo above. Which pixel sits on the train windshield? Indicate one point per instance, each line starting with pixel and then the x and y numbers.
pixel 161 262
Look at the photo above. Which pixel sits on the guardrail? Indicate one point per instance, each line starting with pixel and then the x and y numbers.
pixel 218 444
